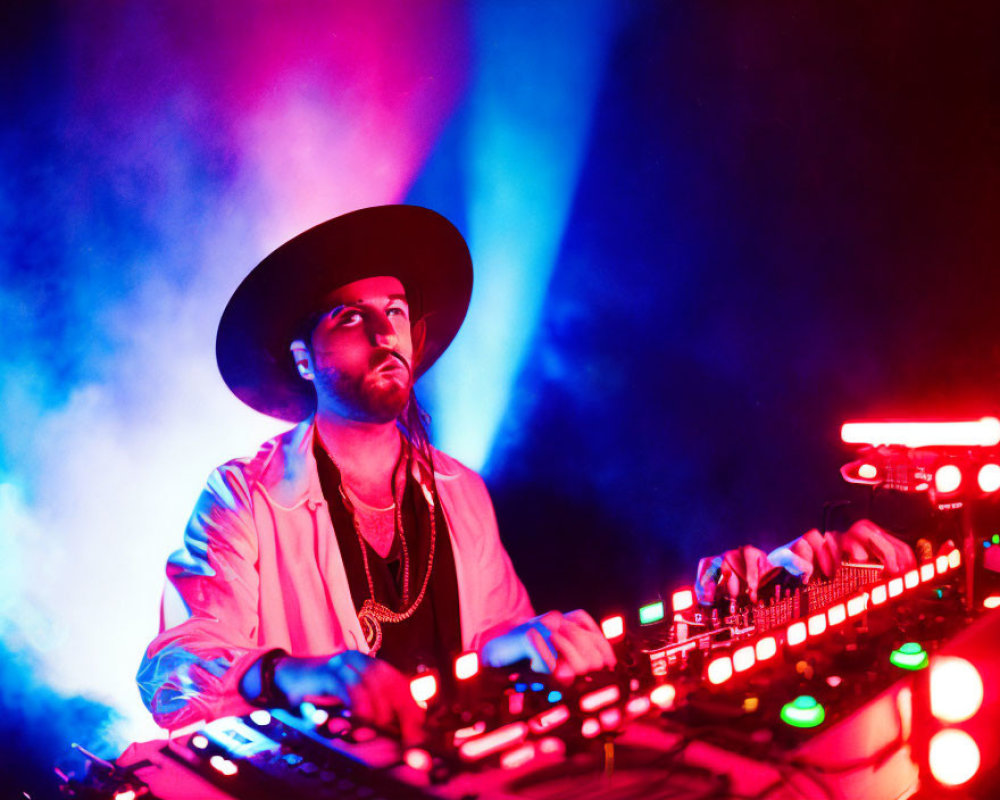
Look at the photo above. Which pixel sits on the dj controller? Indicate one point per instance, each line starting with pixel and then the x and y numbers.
pixel 863 685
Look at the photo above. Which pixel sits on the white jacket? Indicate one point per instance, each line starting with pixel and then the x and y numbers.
pixel 261 569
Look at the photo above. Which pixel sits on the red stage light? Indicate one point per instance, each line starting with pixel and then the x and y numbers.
pixel 879 594
pixel 989 478
pixel 983 432
pixel 953 757
pixel 956 689
pixel 947 479
pixel 836 614
pixel 817 624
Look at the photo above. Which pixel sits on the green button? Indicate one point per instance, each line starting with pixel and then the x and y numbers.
pixel 803 712
pixel 996 538
pixel 909 656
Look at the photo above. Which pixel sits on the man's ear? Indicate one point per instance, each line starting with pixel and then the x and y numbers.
pixel 303 359
pixel 418 338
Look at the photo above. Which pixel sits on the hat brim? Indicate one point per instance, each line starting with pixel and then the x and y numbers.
pixel 416 245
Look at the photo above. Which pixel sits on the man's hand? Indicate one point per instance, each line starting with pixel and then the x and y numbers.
pixel 565 645
pixel 747 568
pixel 373 690
pixel 743 569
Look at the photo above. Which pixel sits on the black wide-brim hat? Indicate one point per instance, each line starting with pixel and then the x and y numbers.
pixel 416 245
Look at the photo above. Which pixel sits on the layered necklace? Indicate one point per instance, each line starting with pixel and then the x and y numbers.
pixel 374 614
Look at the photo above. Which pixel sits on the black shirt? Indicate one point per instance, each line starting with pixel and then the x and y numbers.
pixel 432 636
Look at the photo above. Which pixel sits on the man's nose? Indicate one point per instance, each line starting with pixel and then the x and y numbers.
pixel 382 331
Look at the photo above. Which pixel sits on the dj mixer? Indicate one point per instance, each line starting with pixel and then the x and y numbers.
pixel 863 685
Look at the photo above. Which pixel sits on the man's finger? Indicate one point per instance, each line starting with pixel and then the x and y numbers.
pixel 541 648
pixel 597 639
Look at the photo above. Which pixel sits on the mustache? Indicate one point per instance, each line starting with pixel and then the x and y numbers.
pixel 384 356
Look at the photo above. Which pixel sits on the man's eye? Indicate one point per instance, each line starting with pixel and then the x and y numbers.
pixel 396 310
pixel 349 318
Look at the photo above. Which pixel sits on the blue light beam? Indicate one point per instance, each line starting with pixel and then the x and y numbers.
pixel 538 71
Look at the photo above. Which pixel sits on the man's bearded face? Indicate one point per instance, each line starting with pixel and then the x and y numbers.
pixel 363 351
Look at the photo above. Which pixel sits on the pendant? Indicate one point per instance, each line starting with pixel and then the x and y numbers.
pixel 371 627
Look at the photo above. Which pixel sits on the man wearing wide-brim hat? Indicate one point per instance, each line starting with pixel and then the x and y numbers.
pixel 348 551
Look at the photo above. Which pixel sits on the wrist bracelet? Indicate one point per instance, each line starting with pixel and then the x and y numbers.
pixel 268 694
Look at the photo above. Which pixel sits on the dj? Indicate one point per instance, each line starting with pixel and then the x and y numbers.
pixel 348 551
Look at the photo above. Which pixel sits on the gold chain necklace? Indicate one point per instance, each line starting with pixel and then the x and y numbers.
pixel 372 613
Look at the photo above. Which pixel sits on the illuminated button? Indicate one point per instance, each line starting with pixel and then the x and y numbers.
pixel 638 706
pixel 796 633
pixel 498 739
pixel 613 627
pixel 953 757
pixel 549 719
pixel 610 718
pixel 467 665
pixel 803 712
pixel 941 563
pixel 857 605
pixel 956 689
pixel 993 601
pixel 766 648
pixel 817 624
pixel 663 696
pixel 744 658
pixel 911 578
pixel 836 614
pixel 600 698
pixel 537 687
pixel 223 765
pixel 418 759
pixel 954 559
pixel 260 717
pixel 868 471
pixel 423 688
pixel 996 538
pixel 926 571
pixel 833 681
pixel 199 741
pixel 554 696
pixel 682 600
pixel 590 728
pixel 989 478
pixel 518 757
pixel 720 670
pixel 551 745
pixel 319 716
pixel 879 594
pixel 125 794
pixel 515 703
pixel 895 587
pixel 909 656
pixel 947 479
pixel 751 703
pixel 653 612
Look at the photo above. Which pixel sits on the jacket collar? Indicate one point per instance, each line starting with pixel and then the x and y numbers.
pixel 287 471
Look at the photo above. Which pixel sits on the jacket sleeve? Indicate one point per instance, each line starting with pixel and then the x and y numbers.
pixel 209 616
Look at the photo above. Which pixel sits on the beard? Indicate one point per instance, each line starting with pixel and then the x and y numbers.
pixel 366 398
